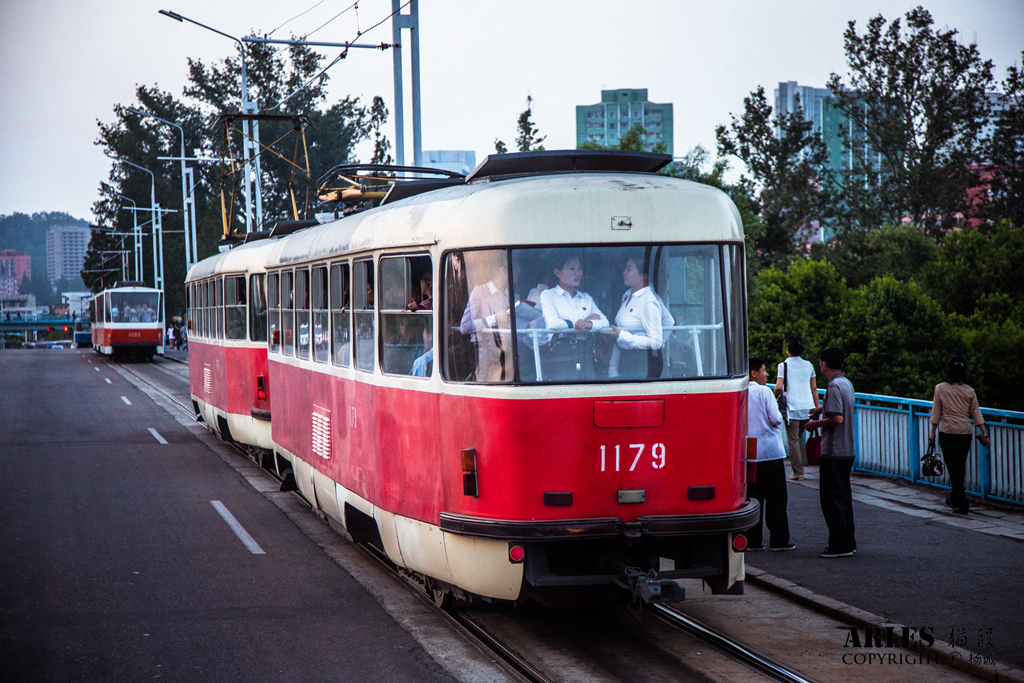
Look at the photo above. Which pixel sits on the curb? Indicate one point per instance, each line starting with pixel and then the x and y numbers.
pixel 996 673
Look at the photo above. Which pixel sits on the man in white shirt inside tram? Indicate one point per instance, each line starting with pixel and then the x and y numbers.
pixel 639 328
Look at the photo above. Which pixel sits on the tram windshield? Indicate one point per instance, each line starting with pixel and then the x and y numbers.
pixel 134 307
pixel 594 314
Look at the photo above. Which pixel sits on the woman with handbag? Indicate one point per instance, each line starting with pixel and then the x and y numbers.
pixel 954 405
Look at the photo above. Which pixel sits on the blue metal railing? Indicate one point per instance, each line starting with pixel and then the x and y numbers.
pixel 891 435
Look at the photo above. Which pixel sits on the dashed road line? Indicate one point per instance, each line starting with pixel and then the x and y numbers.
pixel 108 380
pixel 156 435
pixel 125 399
pixel 240 531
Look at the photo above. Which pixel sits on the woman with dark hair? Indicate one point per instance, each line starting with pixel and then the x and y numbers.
pixel 954 405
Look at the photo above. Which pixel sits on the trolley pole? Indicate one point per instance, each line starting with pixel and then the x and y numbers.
pixel 137 234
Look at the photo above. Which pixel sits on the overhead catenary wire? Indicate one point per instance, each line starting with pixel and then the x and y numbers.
pixel 296 17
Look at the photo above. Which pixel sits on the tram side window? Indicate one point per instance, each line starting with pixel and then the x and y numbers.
pixel 476 325
pixel 234 307
pixel 257 308
pixel 302 313
pixel 320 321
pixel 362 307
pixel 274 311
pixel 735 278
pixel 407 327
pixel 219 304
pixel 106 308
pixel 341 347
pixel 287 313
pixel 204 303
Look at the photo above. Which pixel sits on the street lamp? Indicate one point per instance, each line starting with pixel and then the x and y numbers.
pixel 137 232
pixel 188 206
pixel 250 132
pixel 158 235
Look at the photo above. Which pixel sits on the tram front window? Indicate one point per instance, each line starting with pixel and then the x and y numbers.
pixel 135 307
pixel 592 314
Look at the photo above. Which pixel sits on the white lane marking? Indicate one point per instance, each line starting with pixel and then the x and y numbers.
pixel 242 534
pixel 125 399
pixel 108 380
pixel 96 369
pixel 156 435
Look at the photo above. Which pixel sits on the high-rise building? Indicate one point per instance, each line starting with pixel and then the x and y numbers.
pixel 65 251
pixel 15 266
pixel 457 161
pixel 618 111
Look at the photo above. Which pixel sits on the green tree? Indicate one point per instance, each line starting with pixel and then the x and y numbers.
pixel 808 299
pixel 528 138
pixel 634 140
pixel 787 160
pixel 1005 151
pixel 902 251
pixel 993 346
pixel 976 270
pixel 916 101
pixel 896 339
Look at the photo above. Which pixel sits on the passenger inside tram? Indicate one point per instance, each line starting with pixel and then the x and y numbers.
pixel 570 353
pixel 486 319
pixel 641 326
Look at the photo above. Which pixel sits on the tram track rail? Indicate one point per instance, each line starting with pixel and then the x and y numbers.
pixel 463 622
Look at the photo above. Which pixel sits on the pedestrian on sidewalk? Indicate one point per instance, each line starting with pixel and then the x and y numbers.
pixel 795 378
pixel 769 486
pixel 836 454
pixel 954 405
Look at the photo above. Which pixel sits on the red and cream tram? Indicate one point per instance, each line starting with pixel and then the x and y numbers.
pixel 127 321
pixel 528 384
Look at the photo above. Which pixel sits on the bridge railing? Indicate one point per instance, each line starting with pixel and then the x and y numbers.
pixel 891 435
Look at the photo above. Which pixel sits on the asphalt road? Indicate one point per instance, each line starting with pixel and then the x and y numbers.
pixel 913 571
pixel 115 565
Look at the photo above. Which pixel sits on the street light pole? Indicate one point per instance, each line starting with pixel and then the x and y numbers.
pixel 158 235
pixel 137 233
pixel 411 22
pixel 250 133
pixel 188 205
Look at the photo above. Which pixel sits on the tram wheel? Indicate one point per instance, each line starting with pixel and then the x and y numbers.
pixel 442 596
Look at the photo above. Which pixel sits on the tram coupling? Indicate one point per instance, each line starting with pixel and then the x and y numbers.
pixel 647 587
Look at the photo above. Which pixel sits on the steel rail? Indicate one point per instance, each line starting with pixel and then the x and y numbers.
pixel 730 647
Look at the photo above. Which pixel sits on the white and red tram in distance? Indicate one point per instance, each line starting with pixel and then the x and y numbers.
pixel 479 440
pixel 127 321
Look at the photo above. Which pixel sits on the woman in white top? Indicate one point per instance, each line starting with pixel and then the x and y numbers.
pixel 639 325
pixel 570 356
pixel 796 378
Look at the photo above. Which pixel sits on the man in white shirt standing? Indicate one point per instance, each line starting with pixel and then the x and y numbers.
pixel 769 485
pixel 795 377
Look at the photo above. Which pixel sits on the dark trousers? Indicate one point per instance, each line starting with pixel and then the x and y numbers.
pixel 770 492
pixel 955 448
pixel 837 502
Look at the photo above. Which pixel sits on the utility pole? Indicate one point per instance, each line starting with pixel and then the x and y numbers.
pixel 398 22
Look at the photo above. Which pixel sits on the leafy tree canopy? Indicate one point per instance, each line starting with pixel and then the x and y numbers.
pixel 1005 151
pixel 788 163
pixel 528 137
pixel 901 251
pixel 916 99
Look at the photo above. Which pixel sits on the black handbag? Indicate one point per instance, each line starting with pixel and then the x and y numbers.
pixel 931 463
pixel 783 403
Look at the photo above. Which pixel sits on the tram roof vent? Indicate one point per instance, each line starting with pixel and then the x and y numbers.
pixel 569 161
pixel 128 283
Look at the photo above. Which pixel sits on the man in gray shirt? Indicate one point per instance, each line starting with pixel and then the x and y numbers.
pixel 836 455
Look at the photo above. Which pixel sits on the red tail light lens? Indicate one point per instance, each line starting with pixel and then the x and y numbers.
pixel 739 543
pixel 261 388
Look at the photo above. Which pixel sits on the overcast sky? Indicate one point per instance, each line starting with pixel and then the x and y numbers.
pixel 64 64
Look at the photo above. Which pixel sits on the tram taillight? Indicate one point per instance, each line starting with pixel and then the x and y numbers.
pixel 261 389
pixel 469 480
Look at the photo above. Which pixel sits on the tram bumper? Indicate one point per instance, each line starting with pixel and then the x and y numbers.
pixel 610 552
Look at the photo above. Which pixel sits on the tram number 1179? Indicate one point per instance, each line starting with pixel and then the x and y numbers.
pixel 657 452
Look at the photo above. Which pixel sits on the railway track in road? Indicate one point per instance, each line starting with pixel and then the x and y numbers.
pixel 476 631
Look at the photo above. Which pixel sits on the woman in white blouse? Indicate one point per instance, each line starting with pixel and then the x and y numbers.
pixel 571 355
pixel 640 324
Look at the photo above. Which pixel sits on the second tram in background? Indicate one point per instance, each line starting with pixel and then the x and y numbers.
pixel 127 322
pixel 83 331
